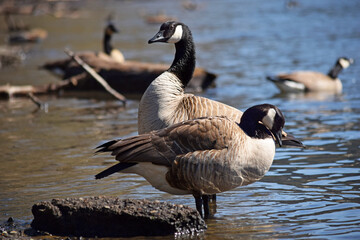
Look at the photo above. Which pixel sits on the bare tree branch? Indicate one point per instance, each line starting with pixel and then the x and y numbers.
pixel 96 76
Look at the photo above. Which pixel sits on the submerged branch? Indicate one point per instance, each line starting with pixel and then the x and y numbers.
pixel 96 76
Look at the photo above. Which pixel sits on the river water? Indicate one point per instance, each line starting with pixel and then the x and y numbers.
pixel 308 193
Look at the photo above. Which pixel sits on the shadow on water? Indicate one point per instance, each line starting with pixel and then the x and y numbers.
pixel 309 193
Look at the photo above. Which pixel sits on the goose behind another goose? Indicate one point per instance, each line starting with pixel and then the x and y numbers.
pixel 165 102
pixel 108 48
pixel 202 156
pixel 312 81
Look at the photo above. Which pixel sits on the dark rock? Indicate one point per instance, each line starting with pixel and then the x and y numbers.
pixel 114 217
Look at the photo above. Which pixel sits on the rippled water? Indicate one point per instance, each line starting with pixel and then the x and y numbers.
pixel 311 193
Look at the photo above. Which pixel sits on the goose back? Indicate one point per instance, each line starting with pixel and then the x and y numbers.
pixel 314 81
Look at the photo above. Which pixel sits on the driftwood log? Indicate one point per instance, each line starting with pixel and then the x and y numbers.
pixel 9 91
pixel 114 217
pixel 130 77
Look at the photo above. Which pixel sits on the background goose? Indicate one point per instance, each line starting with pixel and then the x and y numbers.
pixel 312 81
pixel 165 102
pixel 202 156
pixel 108 48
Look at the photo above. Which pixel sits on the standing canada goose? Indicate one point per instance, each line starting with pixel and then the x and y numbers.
pixel 312 81
pixel 202 156
pixel 165 102
pixel 108 49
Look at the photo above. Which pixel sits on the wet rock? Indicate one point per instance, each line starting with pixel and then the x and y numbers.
pixel 11 230
pixel 114 217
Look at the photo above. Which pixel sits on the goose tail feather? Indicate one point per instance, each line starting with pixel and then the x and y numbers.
pixel 113 169
pixel 272 78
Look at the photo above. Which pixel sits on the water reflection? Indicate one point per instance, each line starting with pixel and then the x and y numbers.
pixel 310 96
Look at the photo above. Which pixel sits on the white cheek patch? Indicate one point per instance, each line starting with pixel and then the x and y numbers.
pixel 344 63
pixel 176 37
pixel 269 119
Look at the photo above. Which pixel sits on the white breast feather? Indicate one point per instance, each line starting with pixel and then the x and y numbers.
pixel 159 102
pixel 257 154
pixel 263 153
pixel 156 176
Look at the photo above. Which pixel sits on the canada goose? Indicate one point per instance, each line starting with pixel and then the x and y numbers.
pixel 108 49
pixel 312 81
pixel 28 36
pixel 202 156
pixel 165 103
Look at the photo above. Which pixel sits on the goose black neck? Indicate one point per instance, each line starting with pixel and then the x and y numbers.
pixel 183 65
pixel 106 43
pixel 334 72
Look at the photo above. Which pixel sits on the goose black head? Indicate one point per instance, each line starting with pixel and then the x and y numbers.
pixel 341 63
pixel 110 29
pixel 170 32
pixel 345 62
pixel 262 121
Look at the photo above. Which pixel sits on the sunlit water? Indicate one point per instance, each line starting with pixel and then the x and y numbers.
pixel 311 193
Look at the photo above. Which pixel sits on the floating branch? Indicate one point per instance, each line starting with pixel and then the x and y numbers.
pixel 38 103
pixel 8 91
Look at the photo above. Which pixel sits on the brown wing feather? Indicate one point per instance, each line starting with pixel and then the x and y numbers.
pixel 129 150
pixel 191 107
pixel 204 172
pixel 200 134
pixel 162 146
pixel 210 171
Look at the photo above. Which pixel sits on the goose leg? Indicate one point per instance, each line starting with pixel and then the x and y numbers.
pixel 213 198
pixel 202 201
pixel 198 203
pixel 205 200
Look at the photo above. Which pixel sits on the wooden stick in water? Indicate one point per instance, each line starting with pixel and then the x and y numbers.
pixel 38 103
pixel 95 75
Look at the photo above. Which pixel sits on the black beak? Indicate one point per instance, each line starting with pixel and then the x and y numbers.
pixel 290 140
pixel 159 37
pixel 111 30
pixel 278 137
